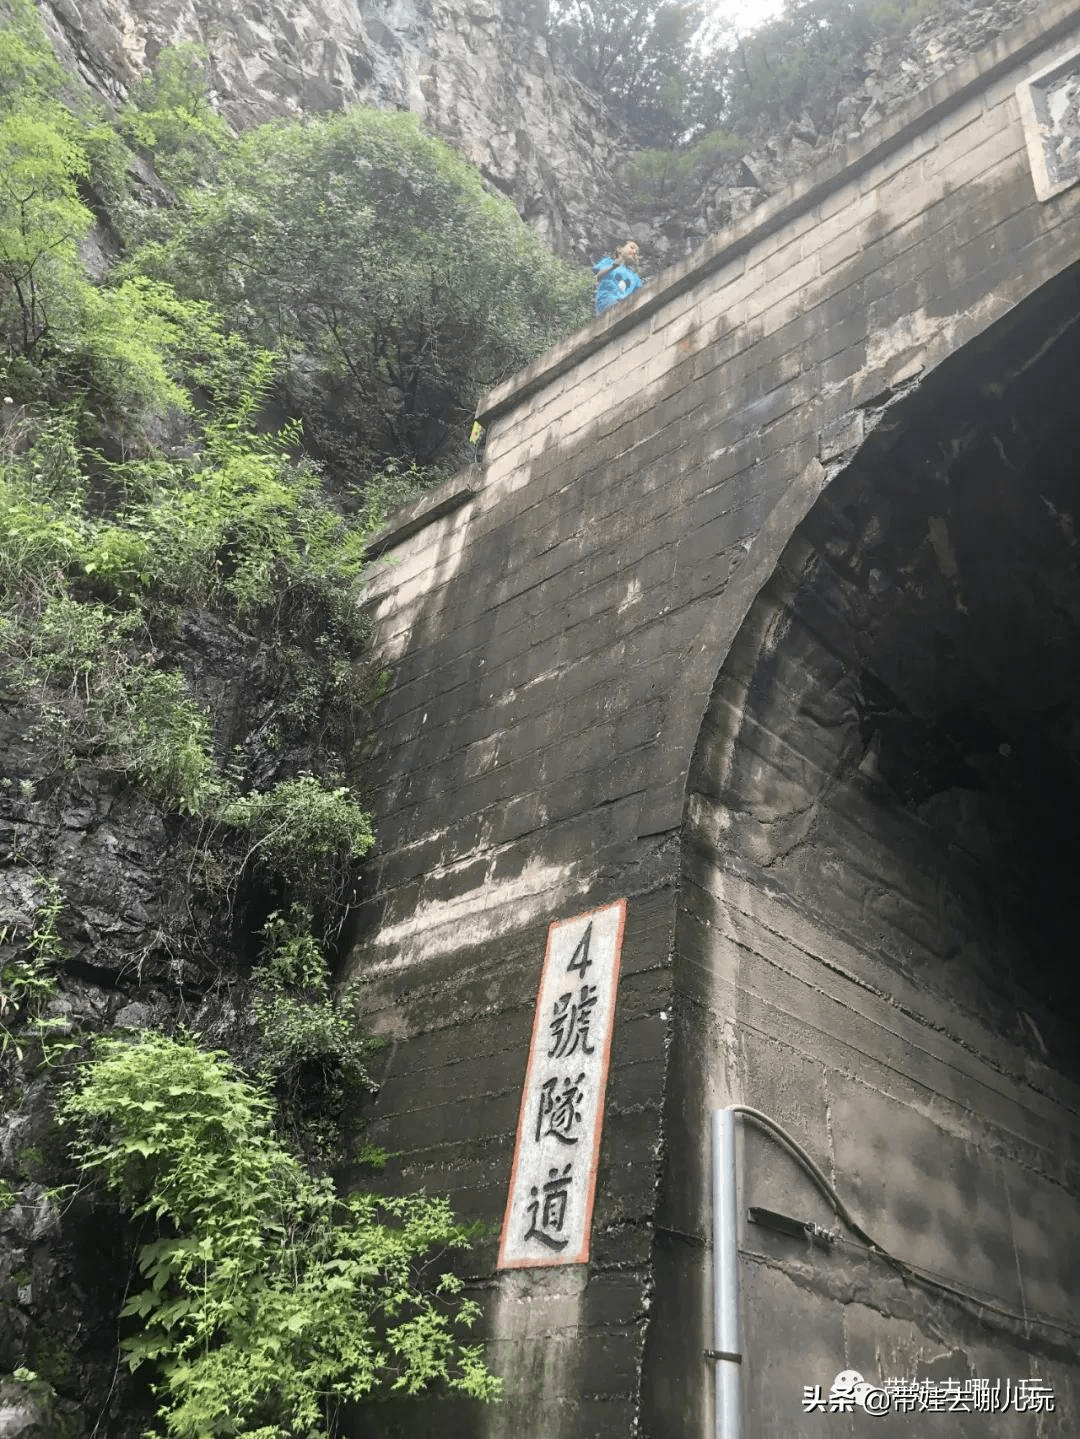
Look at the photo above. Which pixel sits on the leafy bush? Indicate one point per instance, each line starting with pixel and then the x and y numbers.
pixel 268 1302
pixel 72 640
pixel 28 975
pixel 157 730
pixel 55 325
pixel 42 221
pixel 168 115
pixel 241 528
pixel 311 1056
pixel 675 71
pixel 305 829
pixel 111 700
pixel 371 257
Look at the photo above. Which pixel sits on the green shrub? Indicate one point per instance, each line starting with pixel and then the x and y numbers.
pixel 308 830
pixel 168 115
pixel 155 728
pixel 28 976
pixel 267 1301
pixel 369 255
pixel 98 692
pixel 74 640
pixel 310 1055
pixel 123 342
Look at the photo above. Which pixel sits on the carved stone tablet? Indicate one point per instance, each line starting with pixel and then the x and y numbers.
pixel 549 1207
pixel 1050 111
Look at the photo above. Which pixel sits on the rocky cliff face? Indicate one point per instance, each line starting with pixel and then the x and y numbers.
pixel 475 73
pixel 142 937
pixel 482 76
pixel 890 73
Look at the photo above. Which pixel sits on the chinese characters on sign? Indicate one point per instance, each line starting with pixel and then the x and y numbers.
pixel 927 1396
pixel 549 1207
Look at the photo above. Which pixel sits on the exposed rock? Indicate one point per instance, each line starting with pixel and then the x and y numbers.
pixel 147 934
pixel 22 1417
pixel 484 78
pixel 890 73
pixel 479 76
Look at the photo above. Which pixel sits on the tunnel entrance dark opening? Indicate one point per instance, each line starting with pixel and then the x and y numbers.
pixel 939 580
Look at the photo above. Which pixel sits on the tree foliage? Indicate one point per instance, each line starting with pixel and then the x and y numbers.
pixel 658 177
pixel 42 217
pixel 267 1302
pixel 370 256
pixel 640 55
pixel 169 116
pixel 676 72
pixel 802 62
pixel 59 332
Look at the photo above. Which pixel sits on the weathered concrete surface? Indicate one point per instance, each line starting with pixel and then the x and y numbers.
pixel 873 943
pixel 841 911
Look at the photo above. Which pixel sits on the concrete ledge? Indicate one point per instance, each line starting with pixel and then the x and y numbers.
pixel 418 514
pixel 930 105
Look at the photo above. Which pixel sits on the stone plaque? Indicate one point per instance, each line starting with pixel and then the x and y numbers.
pixel 1050 111
pixel 549 1207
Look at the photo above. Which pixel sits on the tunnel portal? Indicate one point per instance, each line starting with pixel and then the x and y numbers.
pixel 876 928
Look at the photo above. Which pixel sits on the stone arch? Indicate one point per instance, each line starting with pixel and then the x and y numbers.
pixel 875 923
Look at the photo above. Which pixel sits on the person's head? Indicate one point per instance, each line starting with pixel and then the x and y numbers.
pixel 627 254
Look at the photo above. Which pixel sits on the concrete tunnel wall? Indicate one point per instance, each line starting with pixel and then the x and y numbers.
pixel 555 627
pixel 874 942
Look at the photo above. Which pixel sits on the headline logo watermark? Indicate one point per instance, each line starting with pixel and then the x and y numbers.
pixel 850 1391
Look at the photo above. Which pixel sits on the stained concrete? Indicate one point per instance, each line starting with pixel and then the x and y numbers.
pixel 763 616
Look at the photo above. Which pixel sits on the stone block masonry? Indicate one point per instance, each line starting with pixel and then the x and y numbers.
pixel 767 572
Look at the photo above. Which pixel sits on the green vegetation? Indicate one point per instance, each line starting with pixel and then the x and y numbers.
pixel 267 1301
pixel 306 829
pixel 679 78
pixel 311 1058
pixel 58 331
pixel 28 979
pixel 803 61
pixel 169 117
pixel 643 58
pixel 200 442
pixel 90 596
pixel 370 256
pixel 669 177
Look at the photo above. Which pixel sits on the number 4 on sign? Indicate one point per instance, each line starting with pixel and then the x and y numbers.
pixel 579 960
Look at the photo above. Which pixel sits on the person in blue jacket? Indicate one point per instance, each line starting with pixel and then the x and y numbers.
pixel 616 279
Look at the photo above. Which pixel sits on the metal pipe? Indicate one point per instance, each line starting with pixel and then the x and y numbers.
pixel 727 1352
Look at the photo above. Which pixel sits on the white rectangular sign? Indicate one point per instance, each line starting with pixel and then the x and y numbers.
pixel 549 1207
